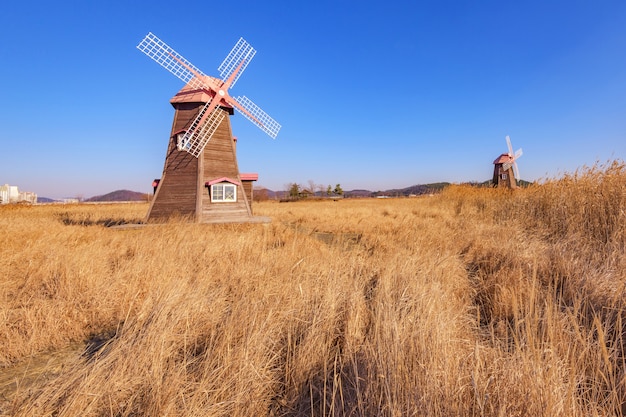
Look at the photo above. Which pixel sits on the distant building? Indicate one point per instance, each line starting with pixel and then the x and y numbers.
pixel 27 196
pixel 11 194
pixel 6 193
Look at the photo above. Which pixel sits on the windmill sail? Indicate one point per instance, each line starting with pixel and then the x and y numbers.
pixel 197 137
pixel 518 153
pixel 260 118
pixel 209 118
pixel 242 51
pixel 172 61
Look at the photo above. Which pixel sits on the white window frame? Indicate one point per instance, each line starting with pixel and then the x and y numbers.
pixel 219 192
pixel 182 144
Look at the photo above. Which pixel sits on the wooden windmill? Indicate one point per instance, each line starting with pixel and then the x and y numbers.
pixel 201 178
pixel 505 171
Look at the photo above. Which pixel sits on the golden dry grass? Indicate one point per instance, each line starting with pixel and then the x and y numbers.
pixel 475 302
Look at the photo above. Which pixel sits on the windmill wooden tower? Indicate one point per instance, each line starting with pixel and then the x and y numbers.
pixel 201 178
pixel 505 171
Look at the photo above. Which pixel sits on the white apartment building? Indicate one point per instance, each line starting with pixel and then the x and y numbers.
pixel 11 194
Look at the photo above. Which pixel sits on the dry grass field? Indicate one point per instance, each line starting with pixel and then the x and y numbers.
pixel 474 302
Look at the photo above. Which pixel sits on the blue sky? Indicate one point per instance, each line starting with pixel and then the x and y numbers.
pixel 372 95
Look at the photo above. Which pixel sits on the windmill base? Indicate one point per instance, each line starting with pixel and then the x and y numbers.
pixel 253 219
pixel 241 220
pixel 173 201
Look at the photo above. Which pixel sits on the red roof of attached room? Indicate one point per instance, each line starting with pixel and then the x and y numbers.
pixel 249 177
pixel 221 179
pixel 244 177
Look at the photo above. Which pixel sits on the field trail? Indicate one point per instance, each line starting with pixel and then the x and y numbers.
pixel 36 371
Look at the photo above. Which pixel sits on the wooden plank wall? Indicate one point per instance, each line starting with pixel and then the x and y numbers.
pixel 247 186
pixel 177 191
pixel 220 160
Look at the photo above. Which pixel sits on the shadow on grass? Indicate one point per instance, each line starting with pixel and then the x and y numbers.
pixel 97 342
pixel 82 220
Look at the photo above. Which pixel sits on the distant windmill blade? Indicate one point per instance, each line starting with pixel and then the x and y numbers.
pixel 506 166
pixel 516 171
pixel 508 143
pixel 242 51
pixel 197 137
pixel 518 154
pixel 169 59
pixel 260 118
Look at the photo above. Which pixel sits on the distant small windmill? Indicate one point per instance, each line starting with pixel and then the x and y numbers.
pixel 505 171
pixel 201 178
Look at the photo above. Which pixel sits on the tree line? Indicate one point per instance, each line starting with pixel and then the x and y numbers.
pixel 295 190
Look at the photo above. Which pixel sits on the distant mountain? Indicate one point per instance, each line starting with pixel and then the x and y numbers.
pixel 120 195
pixel 263 193
pixel 358 193
pixel 416 189
pixel 396 192
pixel 45 200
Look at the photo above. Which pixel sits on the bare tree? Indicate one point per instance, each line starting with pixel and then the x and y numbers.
pixel 261 194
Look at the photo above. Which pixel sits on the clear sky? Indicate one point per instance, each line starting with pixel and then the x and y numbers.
pixel 371 95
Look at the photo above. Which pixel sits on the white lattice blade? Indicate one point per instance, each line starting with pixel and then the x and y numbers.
pixel 196 138
pixel 260 118
pixel 508 144
pixel 506 166
pixel 516 170
pixel 242 51
pixel 169 59
pixel 518 153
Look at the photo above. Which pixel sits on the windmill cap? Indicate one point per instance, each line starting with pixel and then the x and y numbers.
pixel 191 95
pixel 503 159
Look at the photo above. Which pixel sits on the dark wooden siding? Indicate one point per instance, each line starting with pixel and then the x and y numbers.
pixel 177 191
pixel 498 181
pixel 247 186
pixel 219 159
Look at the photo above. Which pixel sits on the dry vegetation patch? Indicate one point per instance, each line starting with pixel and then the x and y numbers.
pixel 473 302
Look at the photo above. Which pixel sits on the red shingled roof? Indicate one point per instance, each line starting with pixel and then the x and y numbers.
pixel 221 179
pixel 249 177
pixel 502 159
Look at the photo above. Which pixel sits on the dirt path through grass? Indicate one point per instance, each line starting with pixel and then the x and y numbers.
pixel 35 371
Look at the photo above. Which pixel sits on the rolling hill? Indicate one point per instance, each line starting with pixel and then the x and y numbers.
pixel 120 195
